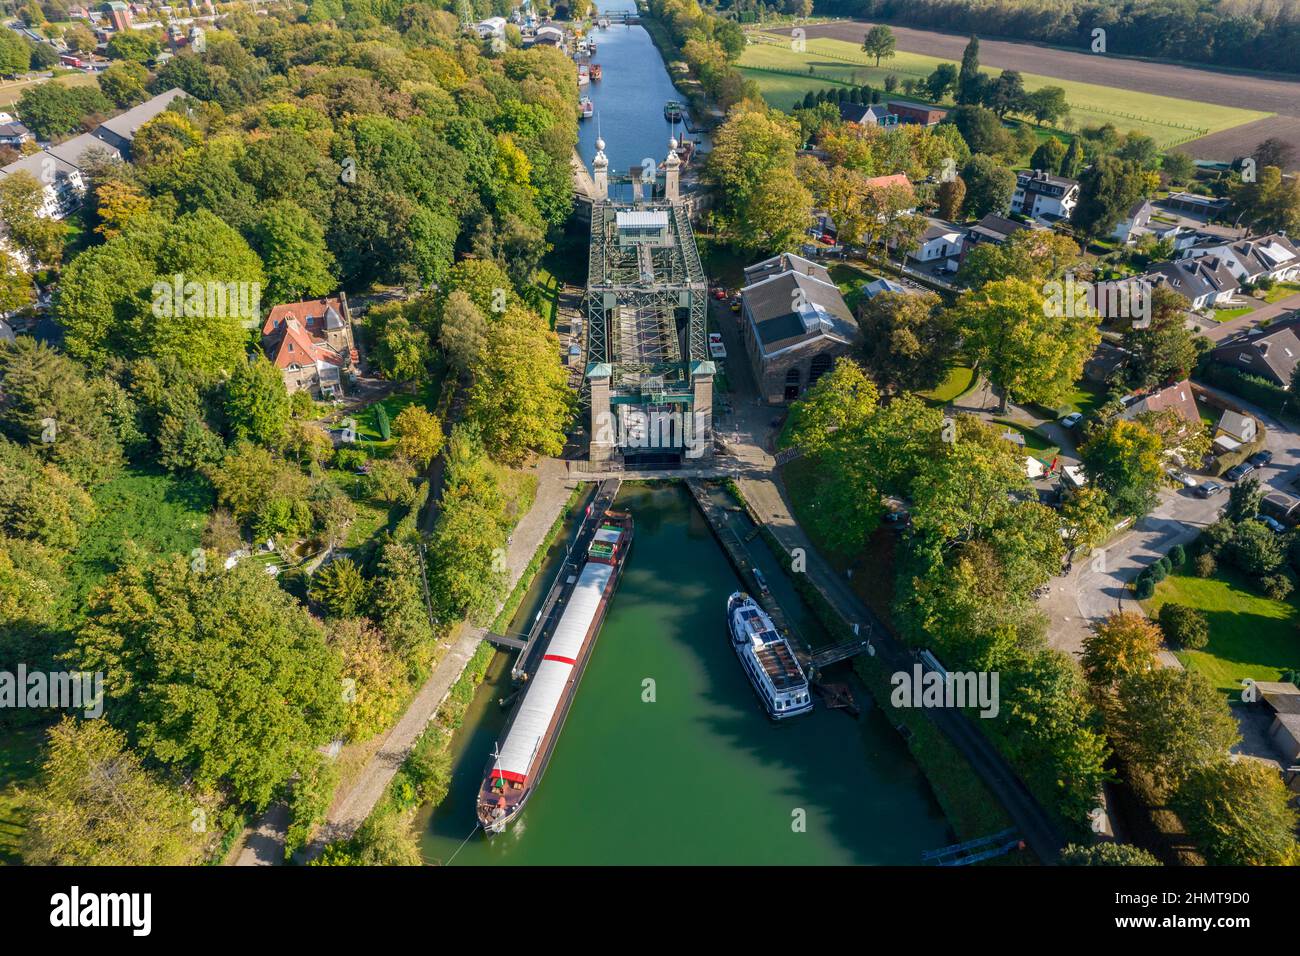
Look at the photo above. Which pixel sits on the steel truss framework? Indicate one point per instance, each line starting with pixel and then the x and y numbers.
pixel 646 306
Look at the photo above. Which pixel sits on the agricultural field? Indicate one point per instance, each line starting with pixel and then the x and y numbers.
pixel 11 90
pixel 783 74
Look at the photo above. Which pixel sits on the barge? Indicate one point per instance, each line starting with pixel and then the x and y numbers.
pixel 674 111
pixel 767 659
pixel 517 765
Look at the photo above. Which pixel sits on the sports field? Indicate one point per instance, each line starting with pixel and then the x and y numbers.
pixel 782 74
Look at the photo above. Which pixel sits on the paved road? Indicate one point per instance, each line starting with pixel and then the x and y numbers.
pixel 1219 331
pixel 1099 584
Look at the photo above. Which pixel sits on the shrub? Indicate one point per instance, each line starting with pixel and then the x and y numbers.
pixel 1205 565
pixel 382 424
pixel 1157 572
pixel 1165 564
pixel 1107 854
pixel 1177 556
pixel 348 459
pixel 1255 549
pixel 1277 586
pixel 1215 537
pixel 1144 587
pixel 1184 626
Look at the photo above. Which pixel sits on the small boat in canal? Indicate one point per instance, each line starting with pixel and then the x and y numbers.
pixel 584 74
pixel 673 111
pixel 767 658
pixel 586 108
pixel 517 765
pixel 595 71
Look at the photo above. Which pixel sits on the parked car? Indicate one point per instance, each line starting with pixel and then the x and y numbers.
pixel 1072 419
pixel 1272 524
pixel 1239 472
pixel 719 293
pixel 1260 458
pixel 1209 489
pixel 1182 477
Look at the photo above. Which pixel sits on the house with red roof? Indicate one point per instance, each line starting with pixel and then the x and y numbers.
pixel 311 344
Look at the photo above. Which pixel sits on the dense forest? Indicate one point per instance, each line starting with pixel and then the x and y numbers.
pixel 1236 33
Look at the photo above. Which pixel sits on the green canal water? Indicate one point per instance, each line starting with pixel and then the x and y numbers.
pixel 698 775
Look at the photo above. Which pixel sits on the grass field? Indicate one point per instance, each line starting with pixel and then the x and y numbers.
pixel 1250 635
pixel 1167 120
pixel 11 90
pixel 958 381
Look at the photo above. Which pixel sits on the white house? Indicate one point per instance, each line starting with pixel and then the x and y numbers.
pixel 491 27
pixel 1274 256
pixel 941 242
pixel 1042 195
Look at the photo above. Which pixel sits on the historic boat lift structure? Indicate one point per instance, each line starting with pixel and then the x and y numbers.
pixel 649 378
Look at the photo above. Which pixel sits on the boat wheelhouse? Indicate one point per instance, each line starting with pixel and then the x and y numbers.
pixel 767 658
pixel 674 111
pixel 518 763
pixel 586 108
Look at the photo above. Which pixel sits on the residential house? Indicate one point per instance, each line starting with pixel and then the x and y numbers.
pixel 1274 256
pixel 1177 398
pixel 992 228
pixel 311 344
pixel 796 325
pixel 492 27
pixel 917 113
pixel 1105 361
pixel 1043 195
pixel 1240 428
pixel 1205 282
pixel 940 243
pixel 64 184
pixel 1134 223
pixel 867 114
pixel 1272 355
pixel 12 132
pixel 121 129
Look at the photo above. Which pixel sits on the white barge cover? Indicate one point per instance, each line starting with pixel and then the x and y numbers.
pixel 546 687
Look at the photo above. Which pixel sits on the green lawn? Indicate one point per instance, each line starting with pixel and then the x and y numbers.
pixel 1281 291
pixel 1035 443
pixel 1227 315
pixel 154 510
pixel 1084 398
pixel 783 77
pixel 959 380
pixel 1250 635
pixel 850 276
pixel 368 422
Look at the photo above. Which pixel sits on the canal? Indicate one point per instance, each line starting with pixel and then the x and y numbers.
pixel 667 757
pixel 628 99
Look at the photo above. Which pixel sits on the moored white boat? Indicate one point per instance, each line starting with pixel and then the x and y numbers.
pixel 767 658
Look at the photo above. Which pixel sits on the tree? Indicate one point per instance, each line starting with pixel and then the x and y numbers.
pixel 1085 519
pixel 399 346
pixel 118 203
pixel 1035 255
pixel 1121 644
pixel 1048 156
pixel 970 81
pixel 989 186
pixel 257 404
pixel 942 81
pixel 1125 459
pixel 1238 813
pixel 419 435
pixel 16 287
pixel 880 43
pixel 1274 152
pixel 462 332
pixel 952 196
pixel 374 695
pixel 1162 348
pixel 79 38
pixel 520 399
pixel 1073 160
pixel 761 202
pixel 1107 189
pixel 907 342
pixel 39 238
pixel 1034 353
pixel 1184 625
pixel 1169 721
pixel 981 129
pixel 1107 854
pixel 222 675
pixel 339 588
pixel 51 110
pixel 1046 104
pixel 292 247
pixel 1244 499
pixel 124 83
pixel 1255 549
pixel 47 404
pixel 1178 167
pixel 135 45
pixel 1006 94
pixel 97 806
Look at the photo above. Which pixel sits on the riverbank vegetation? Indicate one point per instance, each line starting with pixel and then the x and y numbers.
pixel 190 520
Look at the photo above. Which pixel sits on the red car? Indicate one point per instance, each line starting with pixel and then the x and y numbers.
pixel 719 293
pixel 828 239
